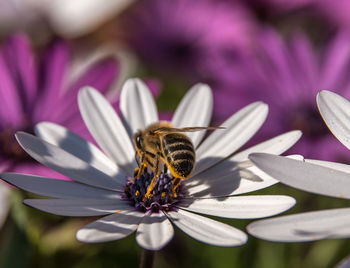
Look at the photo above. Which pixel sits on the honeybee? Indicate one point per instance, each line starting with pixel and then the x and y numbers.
pixel 162 143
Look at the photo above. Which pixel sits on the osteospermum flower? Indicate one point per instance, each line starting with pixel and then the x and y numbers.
pixel 106 185
pixel 315 176
pixel 188 36
pixel 33 90
pixel 287 75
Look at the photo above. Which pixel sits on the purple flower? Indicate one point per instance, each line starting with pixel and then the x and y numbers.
pixel 337 12
pixel 333 13
pixel 287 75
pixel 277 6
pixel 39 89
pixel 186 36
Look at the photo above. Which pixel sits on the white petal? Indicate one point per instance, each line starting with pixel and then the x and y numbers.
pixel 241 207
pixel 310 226
pixel 335 111
pixel 68 18
pixel 305 176
pixel 217 187
pixel 66 163
pixel 195 109
pixel 107 129
pixel 77 146
pixel 78 207
pixel 154 231
pixel 240 127
pixel 254 179
pixel 207 230
pixel 137 106
pixel 57 188
pixel 338 166
pixel 276 145
pixel 4 202
pixel 345 263
pixel 109 228
pixel 230 178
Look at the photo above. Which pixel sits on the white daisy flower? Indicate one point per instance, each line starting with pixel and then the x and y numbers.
pixel 315 176
pixel 105 185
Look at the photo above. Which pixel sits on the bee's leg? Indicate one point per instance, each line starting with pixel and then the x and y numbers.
pixel 137 159
pixel 136 171
pixel 155 177
pixel 141 165
pixel 158 166
pixel 176 183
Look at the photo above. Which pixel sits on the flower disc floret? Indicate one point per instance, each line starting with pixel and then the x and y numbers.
pixel 162 197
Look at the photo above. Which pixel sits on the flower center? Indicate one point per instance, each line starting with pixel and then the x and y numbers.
pixel 180 50
pixel 162 196
pixel 308 120
pixel 10 148
pixel 181 53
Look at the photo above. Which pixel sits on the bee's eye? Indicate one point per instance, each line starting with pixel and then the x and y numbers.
pixel 138 141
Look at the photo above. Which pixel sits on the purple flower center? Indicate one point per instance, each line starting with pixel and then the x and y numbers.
pixel 307 119
pixel 180 50
pixel 162 196
pixel 10 148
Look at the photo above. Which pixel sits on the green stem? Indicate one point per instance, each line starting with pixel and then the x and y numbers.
pixel 147 258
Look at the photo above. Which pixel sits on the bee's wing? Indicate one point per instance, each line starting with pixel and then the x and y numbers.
pixel 184 129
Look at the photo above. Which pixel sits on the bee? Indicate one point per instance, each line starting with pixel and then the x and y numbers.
pixel 161 143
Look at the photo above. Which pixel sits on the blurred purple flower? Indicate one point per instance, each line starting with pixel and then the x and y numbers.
pixel 277 6
pixel 34 90
pixel 287 76
pixel 335 13
pixel 186 36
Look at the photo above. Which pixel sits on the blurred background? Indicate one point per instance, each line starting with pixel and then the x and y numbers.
pixel 277 51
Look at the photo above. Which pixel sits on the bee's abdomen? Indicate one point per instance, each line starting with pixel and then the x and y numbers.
pixel 179 153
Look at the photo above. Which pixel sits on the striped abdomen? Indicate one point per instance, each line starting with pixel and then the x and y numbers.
pixel 179 154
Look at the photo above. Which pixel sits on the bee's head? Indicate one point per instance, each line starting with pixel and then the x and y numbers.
pixel 138 141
